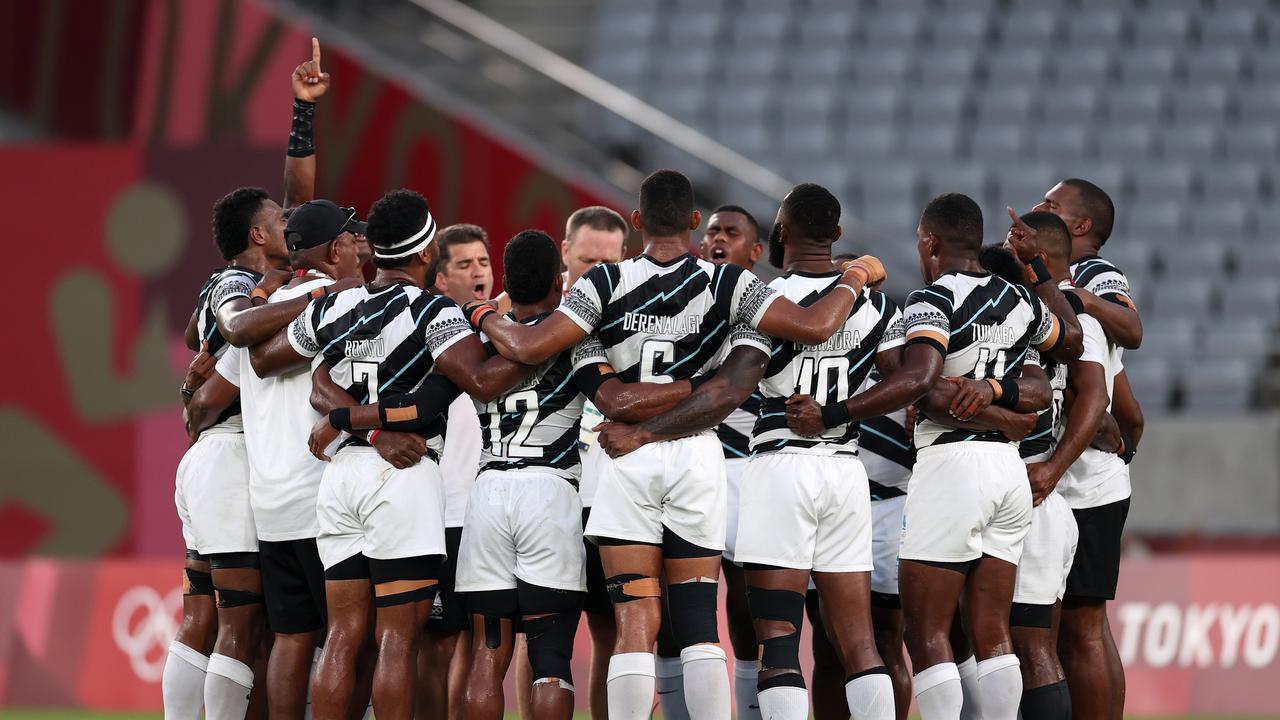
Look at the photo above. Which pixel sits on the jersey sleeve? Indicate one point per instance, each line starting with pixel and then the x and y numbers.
pixel 229 365
pixel 445 328
pixel 1104 280
pixel 751 297
pixel 895 333
pixel 743 334
pixel 588 353
pixel 1095 340
pixel 584 304
pixel 927 318
pixel 230 286
pixel 1047 326
pixel 303 331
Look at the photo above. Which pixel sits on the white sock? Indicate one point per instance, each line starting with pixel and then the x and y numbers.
pixel 870 696
pixel 226 688
pixel 182 684
pixel 1000 687
pixel 706 682
pixel 938 692
pixel 630 686
pixel 784 702
pixel 746 673
pixel 969 685
pixel 670 684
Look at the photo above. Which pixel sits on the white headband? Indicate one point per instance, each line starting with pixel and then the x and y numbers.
pixel 412 244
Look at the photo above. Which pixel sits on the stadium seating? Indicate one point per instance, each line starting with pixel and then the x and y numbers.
pixel 1170 105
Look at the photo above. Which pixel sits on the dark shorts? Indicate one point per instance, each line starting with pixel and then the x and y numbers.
pixel 448 615
pixel 597 601
pixel 1096 568
pixel 293 585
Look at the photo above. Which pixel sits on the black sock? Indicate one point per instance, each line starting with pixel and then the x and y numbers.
pixel 1048 702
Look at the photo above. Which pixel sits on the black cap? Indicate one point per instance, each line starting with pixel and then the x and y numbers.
pixel 318 222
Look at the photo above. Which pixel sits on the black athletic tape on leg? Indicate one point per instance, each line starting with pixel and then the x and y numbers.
pixel 961 567
pixel 232 598
pixel 492 632
pixel 233 561
pixel 198 582
pixel 493 603
pixel 786 679
pixel 783 651
pixel 1032 616
pixel 538 599
pixel 1048 702
pixel 423 593
pixel 195 555
pixel 886 601
pixel 693 612
pixel 877 670
pixel 416 567
pixel 355 567
pixel 618 585
pixel 550 641
pixel 674 546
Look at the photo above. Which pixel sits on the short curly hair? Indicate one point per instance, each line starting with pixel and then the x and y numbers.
pixel 955 219
pixel 530 262
pixel 233 216
pixel 393 218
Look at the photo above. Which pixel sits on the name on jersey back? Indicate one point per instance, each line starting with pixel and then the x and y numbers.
pixel 999 334
pixel 661 324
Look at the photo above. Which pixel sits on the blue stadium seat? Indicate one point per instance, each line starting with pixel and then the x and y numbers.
pixel 1197 142
pixel 1029 26
pixel 1094 27
pixel 1060 143
pixel 874 105
pixel 1019 66
pixel 1215 64
pixel 1235 181
pixel 1163 181
pixel 1130 142
pixel 1256 298
pixel 1080 102
pixel 999 141
pixel 893 29
pixel 1256 142
pixel 1219 386
pixel 1206 103
pixel 1150 379
pixel 1149 66
pixel 1230 26
pixel 1143 104
pixel 1161 27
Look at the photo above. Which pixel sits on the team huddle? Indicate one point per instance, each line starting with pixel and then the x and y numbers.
pixel 399 488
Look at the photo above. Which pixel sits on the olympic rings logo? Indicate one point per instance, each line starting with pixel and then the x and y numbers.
pixel 143 624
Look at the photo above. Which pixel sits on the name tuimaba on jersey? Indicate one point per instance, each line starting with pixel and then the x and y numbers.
pixel 661 322
pixel 829 372
pixel 984 326
pixel 380 342
pixel 226 283
pixel 536 424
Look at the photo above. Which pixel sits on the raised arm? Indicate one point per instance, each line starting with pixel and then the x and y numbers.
pixel 815 324
pixel 707 406
pixel 309 83
pixel 1066 341
pixel 478 374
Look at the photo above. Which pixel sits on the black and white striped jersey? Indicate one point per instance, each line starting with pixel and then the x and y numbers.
pixel 1036 446
pixel 984 325
pixel 661 322
pixel 885 449
pixel 1101 278
pixel 735 431
pixel 380 341
pixel 535 425
pixel 226 283
pixel 830 372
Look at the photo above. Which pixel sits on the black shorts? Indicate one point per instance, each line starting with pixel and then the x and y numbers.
pixel 597 601
pixel 1096 569
pixel 293 585
pixel 448 615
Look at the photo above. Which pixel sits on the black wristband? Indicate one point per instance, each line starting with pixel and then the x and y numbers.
pixel 340 418
pixel 697 381
pixel 1008 394
pixel 835 415
pixel 589 381
pixel 1041 270
pixel 187 392
pixel 301 140
pixel 1129 450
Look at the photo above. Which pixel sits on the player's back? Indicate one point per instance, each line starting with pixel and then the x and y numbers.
pixel 381 341
pixel 986 325
pixel 535 425
pixel 224 283
pixel 829 372
pixel 664 321
pixel 885 448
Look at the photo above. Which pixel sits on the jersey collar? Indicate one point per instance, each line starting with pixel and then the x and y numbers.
pixel 670 263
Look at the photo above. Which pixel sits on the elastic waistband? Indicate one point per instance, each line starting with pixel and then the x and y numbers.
pixel 999 449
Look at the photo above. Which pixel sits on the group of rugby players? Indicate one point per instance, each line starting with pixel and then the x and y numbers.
pixel 398 488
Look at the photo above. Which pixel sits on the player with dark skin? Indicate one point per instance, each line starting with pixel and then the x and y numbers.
pixel 1090 219
pixel 638 622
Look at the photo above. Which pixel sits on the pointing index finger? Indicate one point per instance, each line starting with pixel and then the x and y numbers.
pixel 315 52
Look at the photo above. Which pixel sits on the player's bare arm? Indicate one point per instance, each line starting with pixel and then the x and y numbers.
pixel 198 372
pixel 401 449
pixel 1088 384
pixel 208 402
pixel 639 401
pixel 1117 315
pixel 815 324
pixel 275 355
pixel 938 402
pixel 309 83
pixel 1066 340
pixel 707 406
pixel 970 396
pixel 806 417
pixel 1108 438
pixel 480 375
pixel 243 323
pixel 191 336
pixel 921 366
pixel 1127 412
pixel 529 344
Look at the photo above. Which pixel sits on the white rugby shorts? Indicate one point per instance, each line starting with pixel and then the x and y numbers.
pixel 522 524
pixel 677 484
pixel 366 505
pixel 886 540
pixel 1047 553
pixel 212 495
pixel 966 499
pixel 733 471
pixel 804 511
